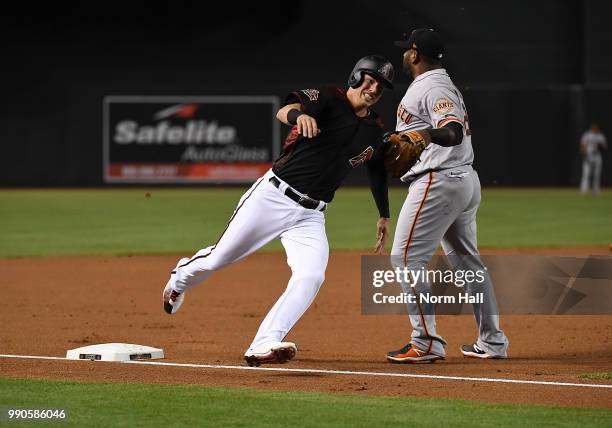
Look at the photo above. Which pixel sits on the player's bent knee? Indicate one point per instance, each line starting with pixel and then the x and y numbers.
pixel 412 263
pixel 397 260
pixel 315 278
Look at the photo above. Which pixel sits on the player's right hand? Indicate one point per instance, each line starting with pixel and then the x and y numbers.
pixel 382 232
pixel 307 126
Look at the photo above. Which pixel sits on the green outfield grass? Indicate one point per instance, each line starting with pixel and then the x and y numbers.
pixel 120 404
pixel 124 221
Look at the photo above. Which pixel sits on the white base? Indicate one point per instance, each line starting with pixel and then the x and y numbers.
pixel 115 352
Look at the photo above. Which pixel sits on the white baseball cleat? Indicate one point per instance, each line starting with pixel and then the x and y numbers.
pixel 173 299
pixel 270 353
pixel 474 351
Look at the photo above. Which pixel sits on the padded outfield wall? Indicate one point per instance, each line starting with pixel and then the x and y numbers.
pixel 533 74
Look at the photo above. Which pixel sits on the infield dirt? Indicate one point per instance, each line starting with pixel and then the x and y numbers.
pixel 57 303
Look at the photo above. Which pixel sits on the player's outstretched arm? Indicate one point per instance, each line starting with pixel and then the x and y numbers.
pixel 292 114
pixel 379 185
pixel 447 136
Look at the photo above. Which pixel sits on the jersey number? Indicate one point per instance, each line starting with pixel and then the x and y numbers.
pixel 466 123
pixel 466 120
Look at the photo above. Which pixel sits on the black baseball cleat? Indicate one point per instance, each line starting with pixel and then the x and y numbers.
pixel 172 300
pixel 410 354
pixel 270 353
pixel 473 351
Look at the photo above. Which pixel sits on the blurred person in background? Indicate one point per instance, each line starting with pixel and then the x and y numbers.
pixel 592 144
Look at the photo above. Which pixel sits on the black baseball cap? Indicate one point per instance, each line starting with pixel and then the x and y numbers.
pixel 426 41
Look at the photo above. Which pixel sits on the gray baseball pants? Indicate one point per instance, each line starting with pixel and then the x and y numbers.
pixel 441 208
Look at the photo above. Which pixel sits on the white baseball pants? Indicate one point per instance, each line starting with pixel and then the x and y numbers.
pixel 591 165
pixel 264 213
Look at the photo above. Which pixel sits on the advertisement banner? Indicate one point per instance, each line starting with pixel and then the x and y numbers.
pixel 183 139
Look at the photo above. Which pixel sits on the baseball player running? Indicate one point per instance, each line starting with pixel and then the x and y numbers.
pixel 592 143
pixel 333 131
pixel 443 197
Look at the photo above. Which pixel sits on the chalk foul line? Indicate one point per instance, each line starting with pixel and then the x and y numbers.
pixel 333 372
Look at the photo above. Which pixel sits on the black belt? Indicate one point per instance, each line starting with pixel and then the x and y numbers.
pixel 305 201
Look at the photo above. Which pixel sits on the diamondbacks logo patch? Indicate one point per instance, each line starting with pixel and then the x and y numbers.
pixel 386 70
pixel 362 157
pixel 312 94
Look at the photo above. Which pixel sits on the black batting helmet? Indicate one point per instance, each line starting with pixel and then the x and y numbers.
pixel 375 65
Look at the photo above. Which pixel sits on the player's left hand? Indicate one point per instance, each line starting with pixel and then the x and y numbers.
pixel 403 149
pixel 382 232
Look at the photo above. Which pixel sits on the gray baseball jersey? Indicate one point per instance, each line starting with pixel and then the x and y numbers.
pixel 441 206
pixel 432 101
pixel 593 142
